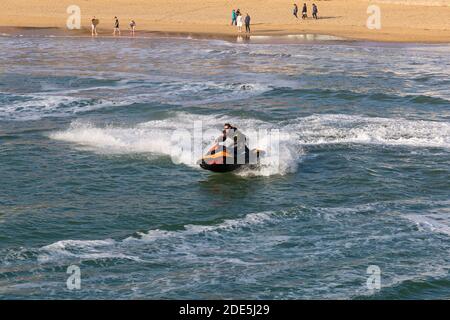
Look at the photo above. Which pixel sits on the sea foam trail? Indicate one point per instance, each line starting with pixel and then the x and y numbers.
pixel 172 137
pixel 158 136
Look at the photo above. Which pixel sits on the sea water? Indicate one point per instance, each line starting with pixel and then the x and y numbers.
pixel 88 179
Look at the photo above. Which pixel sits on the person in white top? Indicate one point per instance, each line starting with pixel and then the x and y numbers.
pixel 239 22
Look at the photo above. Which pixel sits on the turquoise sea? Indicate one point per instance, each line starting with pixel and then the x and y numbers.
pixel 90 175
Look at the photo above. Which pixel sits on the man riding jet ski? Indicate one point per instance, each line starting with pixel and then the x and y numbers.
pixel 230 152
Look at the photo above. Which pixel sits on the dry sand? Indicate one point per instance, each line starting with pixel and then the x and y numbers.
pixel 401 20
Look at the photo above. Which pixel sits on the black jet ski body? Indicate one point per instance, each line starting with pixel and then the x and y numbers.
pixel 218 159
pixel 220 167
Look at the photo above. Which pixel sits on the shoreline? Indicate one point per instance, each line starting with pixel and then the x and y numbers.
pixel 284 37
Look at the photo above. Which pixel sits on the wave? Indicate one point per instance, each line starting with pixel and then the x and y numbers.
pixel 173 138
pixel 344 129
pixel 432 222
pixel 60 102
pixel 39 106
pixel 188 93
pixel 64 250
pixel 156 244
pixel 83 250
pixel 261 245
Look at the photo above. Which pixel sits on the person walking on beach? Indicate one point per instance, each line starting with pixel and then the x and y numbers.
pixel 233 17
pixel 239 22
pixel 94 24
pixel 295 11
pixel 314 11
pixel 116 26
pixel 305 11
pixel 133 27
pixel 247 23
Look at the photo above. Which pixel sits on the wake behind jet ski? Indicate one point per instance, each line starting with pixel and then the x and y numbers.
pixel 230 152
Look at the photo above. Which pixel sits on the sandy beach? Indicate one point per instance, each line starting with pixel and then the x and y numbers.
pixel 401 20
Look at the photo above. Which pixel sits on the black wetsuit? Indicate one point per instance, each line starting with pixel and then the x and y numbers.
pixel 235 135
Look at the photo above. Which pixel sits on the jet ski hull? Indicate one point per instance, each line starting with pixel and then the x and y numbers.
pixel 218 163
pixel 220 167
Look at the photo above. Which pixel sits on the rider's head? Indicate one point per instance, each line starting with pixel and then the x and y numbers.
pixel 226 128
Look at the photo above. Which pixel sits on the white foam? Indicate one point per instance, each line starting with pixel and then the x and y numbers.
pixel 109 248
pixel 60 102
pixel 159 137
pixel 81 249
pixel 431 222
pixel 38 106
pixel 190 230
pixel 111 139
pixel 342 129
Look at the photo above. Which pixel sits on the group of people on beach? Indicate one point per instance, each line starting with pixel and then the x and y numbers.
pixel 238 20
pixel 315 11
pixel 116 31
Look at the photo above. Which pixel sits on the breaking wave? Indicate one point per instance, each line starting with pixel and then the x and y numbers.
pixel 68 102
pixel 111 249
pixel 339 129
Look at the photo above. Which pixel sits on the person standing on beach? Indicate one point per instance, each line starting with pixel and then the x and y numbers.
pixel 239 22
pixel 305 11
pixel 314 11
pixel 116 26
pixel 95 22
pixel 295 11
pixel 233 17
pixel 133 27
pixel 247 23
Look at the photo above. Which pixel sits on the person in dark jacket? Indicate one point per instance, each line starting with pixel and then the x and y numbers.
pixel 305 11
pixel 314 11
pixel 247 23
pixel 295 11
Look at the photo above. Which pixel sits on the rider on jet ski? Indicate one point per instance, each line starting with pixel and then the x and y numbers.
pixel 235 142
pixel 230 152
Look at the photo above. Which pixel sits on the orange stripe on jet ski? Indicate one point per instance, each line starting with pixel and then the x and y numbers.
pixel 216 155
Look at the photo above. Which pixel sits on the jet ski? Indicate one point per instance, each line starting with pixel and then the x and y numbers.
pixel 220 159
